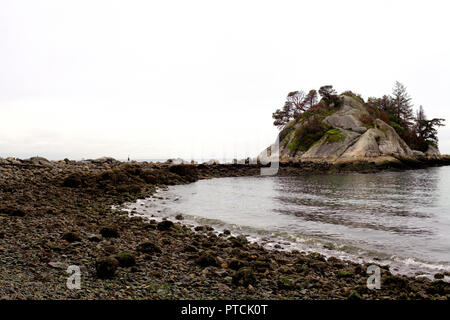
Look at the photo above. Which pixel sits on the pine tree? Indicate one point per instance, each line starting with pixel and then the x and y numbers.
pixel 280 117
pixel 311 99
pixel 427 129
pixel 329 95
pixel 402 107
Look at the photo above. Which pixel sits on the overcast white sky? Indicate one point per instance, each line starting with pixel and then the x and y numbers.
pixel 200 79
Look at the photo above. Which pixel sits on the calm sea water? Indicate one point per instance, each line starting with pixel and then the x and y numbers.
pixel 396 218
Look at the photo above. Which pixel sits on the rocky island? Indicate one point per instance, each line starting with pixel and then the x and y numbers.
pixel 345 129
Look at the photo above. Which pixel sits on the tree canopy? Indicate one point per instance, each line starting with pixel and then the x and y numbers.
pixel 297 102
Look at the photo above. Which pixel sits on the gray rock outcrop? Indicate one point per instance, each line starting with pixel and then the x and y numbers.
pixel 349 139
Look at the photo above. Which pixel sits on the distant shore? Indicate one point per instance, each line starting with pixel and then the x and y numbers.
pixel 59 213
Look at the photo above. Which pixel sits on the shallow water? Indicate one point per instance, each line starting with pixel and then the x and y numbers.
pixel 396 218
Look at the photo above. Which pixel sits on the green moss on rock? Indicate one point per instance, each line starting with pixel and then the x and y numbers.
pixel 308 134
pixel 206 259
pixel 126 259
pixel 148 247
pixel 335 135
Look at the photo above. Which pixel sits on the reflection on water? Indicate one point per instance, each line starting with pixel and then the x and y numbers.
pixel 401 215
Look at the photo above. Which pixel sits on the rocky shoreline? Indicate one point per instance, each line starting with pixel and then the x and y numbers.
pixel 59 213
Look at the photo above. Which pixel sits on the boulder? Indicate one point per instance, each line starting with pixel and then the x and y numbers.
pixel 206 259
pixel 359 130
pixel 74 180
pixel 126 259
pixel 109 232
pixel 164 225
pixel 14 212
pixel 244 277
pixel 418 154
pixel 381 141
pixel 103 160
pixel 38 161
pixel 236 264
pixel 365 147
pixel 106 267
pixel 390 142
pixel 71 237
pixel 432 152
pixel 187 171
pixel 347 117
pixel 148 247
pixel 331 146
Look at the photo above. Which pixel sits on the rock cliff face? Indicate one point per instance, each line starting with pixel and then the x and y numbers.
pixel 345 138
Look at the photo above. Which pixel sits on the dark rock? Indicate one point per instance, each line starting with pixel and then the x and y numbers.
pixel 190 248
pixel 14 212
pixel 126 259
pixel 439 276
pixel 358 269
pixel 206 259
pixel 261 265
pixel 148 247
pixel 242 239
pixel 127 188
pixel 303 261
pixel 109 232
pixel 71 237
pixel 188 172
pixel 317 256
pixel 149 177
pixel 164 225
pixel 396 281
pixel 39 161
pixel 150 227
pixel 74 180
pixel 439 287
pixel 204 228
pixel 244 277
pixel 237 242
pixel 110 249
pixel 179 217
pixel 226 232
pixel 236 264
pixel 106 267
